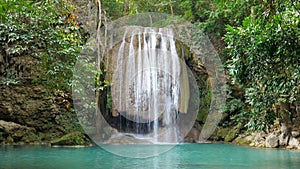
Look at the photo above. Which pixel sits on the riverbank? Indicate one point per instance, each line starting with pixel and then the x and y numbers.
pixel 257 139
pixel 275 138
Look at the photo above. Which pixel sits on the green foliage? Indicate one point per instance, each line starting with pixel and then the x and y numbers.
pixel 223 12
pixel 192 10
pixel 109 101
pixel 114 9
pixel 238 113
pixel 204 106
pixel 9 78
pixel 85 74
pixel 45 30
pixel 260 120
pixel 265 59
pixel 139 6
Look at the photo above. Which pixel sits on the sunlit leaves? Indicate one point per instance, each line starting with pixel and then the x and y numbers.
pixel 45 30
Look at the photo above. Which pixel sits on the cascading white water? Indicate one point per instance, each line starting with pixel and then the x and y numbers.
pixel 146 82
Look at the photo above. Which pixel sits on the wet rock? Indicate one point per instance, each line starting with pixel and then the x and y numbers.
pixel 72 139
pixel 121 139
pixel 192 136
pixel 107 132
pixel 272 141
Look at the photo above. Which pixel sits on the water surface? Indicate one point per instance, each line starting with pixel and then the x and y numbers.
pixel 184 156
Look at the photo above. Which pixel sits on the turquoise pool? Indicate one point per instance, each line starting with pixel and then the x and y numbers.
pixel 183 156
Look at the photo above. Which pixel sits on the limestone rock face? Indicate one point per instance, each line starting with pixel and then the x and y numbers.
pixel 86 14
pixel 272 141
pixel 192 136
pixel 13 132
pixel 29 115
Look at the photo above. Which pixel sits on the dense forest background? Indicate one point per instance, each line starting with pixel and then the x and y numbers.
pixel 257 40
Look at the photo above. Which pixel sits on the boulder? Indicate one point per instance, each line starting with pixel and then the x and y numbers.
pixel 283 140
pixel 295 134
pixel 243 140
pixel 293 143
pixel 283 129
pixel 232 134
pixel 12 132
pixel 259 136
pixel 257 139
pixel 272 141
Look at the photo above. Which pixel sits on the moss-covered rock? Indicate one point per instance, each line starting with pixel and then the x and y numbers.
pixel 219 134
pixel 242 141
pixel 232 134
pixel 225 134
pixel 11 133
pixel 72 139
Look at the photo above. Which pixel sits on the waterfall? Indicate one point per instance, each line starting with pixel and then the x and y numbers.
pixel 146 82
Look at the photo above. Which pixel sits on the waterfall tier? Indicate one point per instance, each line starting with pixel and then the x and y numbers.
pixel 150 81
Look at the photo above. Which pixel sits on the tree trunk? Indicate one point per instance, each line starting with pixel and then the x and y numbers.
pixel 171 7
pixel 286 119
pixel 253 12
pixel 126 7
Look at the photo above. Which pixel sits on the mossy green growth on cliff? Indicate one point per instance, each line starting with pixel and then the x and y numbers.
pixel 72 139
pixel 232 134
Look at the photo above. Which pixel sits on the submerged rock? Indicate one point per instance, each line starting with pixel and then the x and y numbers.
pixel 125 139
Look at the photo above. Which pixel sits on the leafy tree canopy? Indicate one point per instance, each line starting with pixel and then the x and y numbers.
pixel 265 58
pixel 45 30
